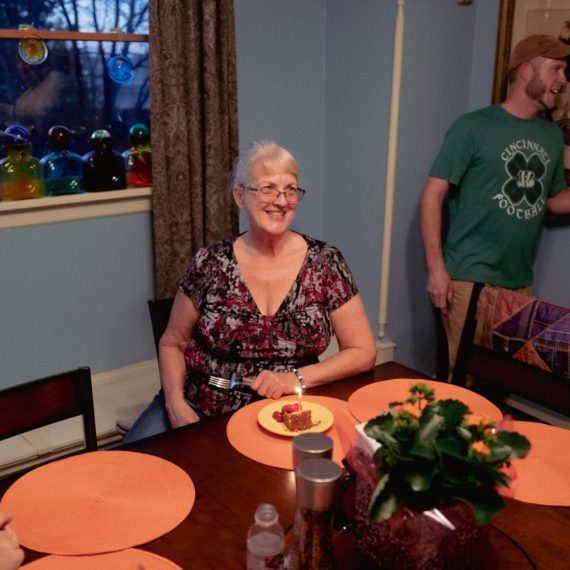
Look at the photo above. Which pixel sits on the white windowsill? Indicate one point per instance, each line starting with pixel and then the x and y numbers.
pixel 56 209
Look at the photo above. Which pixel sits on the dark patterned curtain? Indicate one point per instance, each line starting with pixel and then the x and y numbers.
pixel 194 130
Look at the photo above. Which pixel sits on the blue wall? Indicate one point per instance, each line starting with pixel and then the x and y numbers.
pixel 74 294
pixel 281 47
pixel 316 76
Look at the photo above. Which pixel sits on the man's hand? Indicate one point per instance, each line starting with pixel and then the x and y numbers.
pixel 439 289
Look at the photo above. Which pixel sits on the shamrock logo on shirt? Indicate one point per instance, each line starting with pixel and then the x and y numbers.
pixel 525 178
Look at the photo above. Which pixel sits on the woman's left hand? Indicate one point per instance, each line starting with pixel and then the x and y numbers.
pixel 274 384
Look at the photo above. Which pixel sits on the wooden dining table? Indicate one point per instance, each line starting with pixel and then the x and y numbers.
pixel 229 487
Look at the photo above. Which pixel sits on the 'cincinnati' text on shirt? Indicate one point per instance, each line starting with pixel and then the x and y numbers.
pixel 523 144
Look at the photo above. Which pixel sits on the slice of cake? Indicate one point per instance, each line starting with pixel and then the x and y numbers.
pixel 298 421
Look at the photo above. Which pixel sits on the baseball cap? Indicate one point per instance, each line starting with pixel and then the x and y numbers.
pixel 537 45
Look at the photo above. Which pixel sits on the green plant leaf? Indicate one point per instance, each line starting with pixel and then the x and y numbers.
pixel 382 504
pixel 485 502
pixel 464 433
pixel 428 431
pixel 453 412
pixel 420 479
pixel 423 451
pixel 519 444
pixel 451 446
pixel 384 509
pixel 383 423
pixel 499 454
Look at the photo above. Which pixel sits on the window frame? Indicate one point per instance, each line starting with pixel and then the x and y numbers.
pixel 54 209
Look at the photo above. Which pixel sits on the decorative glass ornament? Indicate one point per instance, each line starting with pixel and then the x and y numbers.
pixel 121 69
pixel 32 50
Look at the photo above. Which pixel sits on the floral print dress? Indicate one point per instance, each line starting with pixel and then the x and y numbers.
pixel 232 337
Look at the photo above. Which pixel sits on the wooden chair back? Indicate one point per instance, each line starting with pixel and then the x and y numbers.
pixel 497 374
pixel 159 310
pixel 48 400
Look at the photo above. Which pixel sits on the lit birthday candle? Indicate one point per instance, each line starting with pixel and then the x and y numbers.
pixel 299 391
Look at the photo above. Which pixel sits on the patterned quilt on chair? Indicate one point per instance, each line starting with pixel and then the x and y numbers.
pixel 529 329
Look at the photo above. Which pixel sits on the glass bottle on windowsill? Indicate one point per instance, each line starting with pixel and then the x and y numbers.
pixel 103 167
pixel 265 540
pixel 138 158
pixel 63 169
pixel 21 174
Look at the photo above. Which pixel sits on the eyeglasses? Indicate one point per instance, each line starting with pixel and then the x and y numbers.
pixel 269 194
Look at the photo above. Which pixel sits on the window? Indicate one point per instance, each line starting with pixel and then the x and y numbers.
pixel 73 86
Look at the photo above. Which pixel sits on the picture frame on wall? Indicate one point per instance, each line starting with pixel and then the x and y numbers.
pixel 519 19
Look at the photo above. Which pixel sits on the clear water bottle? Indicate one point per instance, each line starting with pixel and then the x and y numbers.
pixel 265 540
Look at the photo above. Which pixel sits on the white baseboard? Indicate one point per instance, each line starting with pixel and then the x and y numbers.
pixel 124 373
pixel 385 350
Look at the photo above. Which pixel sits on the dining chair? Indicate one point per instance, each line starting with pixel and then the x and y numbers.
pixel 497 374
pixel 159 310
pixel 48 400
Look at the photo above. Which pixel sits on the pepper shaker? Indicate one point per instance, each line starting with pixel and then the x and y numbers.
pixel 311 446
pixel 317 483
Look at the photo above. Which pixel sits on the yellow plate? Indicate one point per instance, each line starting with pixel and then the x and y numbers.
pixel 320 414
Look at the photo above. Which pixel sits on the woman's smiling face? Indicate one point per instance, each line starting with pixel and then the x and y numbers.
pixel 270 217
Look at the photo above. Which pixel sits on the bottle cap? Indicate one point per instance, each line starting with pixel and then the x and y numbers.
pixel 58 137
pixel 311 446
pixel 16 134
pixel 317 483
pixel 266 515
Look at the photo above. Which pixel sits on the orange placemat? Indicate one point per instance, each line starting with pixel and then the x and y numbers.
pixel 251 440
pixel 374 399
pixel 98 502
pixel 130 559
pixel 543 476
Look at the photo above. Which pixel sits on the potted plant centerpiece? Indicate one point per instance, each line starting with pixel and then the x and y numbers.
pixel 424 496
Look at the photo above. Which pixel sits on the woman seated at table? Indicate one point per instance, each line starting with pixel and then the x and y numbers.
pixel 260 306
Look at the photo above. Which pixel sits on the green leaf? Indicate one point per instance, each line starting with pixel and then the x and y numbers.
pixel 428 431
pixel 519 444
pixel 453 412
pixel 451 446
pixel 383 510
pixel 420 479
pixel 499 454
pixel 422 450
pixel 464 433
pixel 381 502
pixel 383 423
pixel 485 502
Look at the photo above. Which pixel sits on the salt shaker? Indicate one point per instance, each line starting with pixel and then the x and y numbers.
pixel 311 446
pixel 317 489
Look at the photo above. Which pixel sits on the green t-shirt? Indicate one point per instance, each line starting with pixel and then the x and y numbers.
pixel 501 171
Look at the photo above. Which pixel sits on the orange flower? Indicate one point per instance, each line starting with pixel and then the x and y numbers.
pixel 480 447
pixel 479 420
pixel 410 409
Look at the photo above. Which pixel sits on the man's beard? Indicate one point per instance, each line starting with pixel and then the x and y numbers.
pixel 536 90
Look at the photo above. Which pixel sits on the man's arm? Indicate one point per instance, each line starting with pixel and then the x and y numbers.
pixel 560 204
pixel 439 283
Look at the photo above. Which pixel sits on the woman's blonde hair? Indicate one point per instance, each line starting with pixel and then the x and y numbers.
pixel 272 156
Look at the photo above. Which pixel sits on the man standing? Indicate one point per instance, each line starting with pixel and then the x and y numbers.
pixel 503 168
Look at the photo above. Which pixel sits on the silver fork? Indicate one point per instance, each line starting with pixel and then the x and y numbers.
pixel 228 383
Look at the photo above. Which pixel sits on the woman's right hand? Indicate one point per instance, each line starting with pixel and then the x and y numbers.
pixel 180 413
